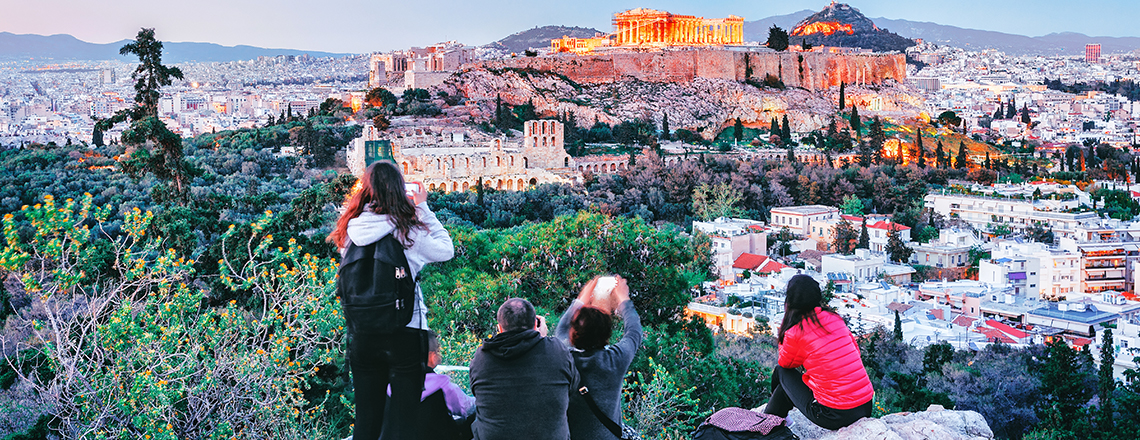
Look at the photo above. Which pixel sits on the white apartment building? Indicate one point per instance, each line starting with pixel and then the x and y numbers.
pixel 798 219
pixel 1033 270
pixel 862 265
pixel 732 237
pixel 1018 214
pixel 950 249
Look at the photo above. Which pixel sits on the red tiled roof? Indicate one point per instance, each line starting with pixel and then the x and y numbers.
pixel 1081 342
pixel 852 218
pixel 883 224
pixel 1007 329
pixel 900 307
pixel 756 227
pixel 771 266
pixel 938 314
pixel 995 335
pixel 748 261
pixel 963 321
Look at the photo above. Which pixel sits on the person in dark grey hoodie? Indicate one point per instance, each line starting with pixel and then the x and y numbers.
pixel 586 326
pixel 521 379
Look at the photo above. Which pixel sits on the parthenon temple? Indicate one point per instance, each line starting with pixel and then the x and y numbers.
pixel 652 28
pixel 648 26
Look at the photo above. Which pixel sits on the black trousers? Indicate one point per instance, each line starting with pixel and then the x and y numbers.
pixel 399 360
pixel 789 390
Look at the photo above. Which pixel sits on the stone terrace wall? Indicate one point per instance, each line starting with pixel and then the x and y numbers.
pixel 810 70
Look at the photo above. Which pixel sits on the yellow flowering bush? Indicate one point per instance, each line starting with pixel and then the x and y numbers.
pixel 141 354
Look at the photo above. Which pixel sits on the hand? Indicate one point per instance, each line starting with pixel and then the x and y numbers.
pixel 619 295
pixel 418 196
pixel 587 294
pixel 540 325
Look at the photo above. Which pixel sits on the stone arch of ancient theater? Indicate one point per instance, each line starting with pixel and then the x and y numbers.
pixel 505 171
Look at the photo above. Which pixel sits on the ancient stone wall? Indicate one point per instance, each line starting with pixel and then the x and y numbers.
pixel 809 70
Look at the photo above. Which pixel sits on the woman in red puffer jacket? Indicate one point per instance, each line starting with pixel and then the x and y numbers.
pixel 834 390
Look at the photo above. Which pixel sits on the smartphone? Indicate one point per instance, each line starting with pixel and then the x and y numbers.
pixel 410 189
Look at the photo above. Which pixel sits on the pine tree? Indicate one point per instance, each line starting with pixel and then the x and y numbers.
pixel 898 251
pixel 856 124
pixel 665 126
pixel 842 96
pixel 961 162
pixel 898 333
pixel 1025 115
pixel 1011 109
pixel 777 39
pixel 737 130
pixel 160 151
pixel 864 236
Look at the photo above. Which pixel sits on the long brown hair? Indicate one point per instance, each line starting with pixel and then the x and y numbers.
pixel 382 192
pixel 801 299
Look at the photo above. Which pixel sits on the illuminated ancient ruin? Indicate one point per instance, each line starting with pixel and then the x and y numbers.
pixel 652 28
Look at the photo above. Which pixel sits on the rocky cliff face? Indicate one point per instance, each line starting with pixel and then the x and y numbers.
pixel 702 105
pixel 934 423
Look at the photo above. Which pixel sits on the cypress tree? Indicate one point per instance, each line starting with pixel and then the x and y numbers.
pixel 499 110
pixel 791 154
pixel 988 165
pixel 856 124
pixel 1011 109
pixel 842 96
pixel 665 126
pixel 1000 112
pixel 940 156
pixel 898 333
pixel 737 130
pixel 774 128
pixel 920 151
pixel 786 133
pixel 1105 382
pixel 479 191
pixel 864 236
pixel 961 161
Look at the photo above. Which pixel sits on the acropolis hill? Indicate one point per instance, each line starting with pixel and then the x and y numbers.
pixel 808 70
pixel 697 70
pixel 658 46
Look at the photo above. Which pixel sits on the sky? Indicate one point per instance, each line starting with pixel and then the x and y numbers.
pixel 361 26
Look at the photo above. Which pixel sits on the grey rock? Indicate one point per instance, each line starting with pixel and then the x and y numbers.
pixel 935 423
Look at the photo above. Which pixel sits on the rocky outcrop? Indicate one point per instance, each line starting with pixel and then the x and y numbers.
pixel 841 25
pixel 933 424
pixel 701 105
pixel 809 70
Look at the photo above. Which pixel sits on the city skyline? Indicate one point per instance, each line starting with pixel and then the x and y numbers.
pixel 292 24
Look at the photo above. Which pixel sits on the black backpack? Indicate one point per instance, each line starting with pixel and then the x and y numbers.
pixel 375 287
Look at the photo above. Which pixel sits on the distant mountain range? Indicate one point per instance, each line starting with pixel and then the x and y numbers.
pixel 539 38
pixel 1066 43
pixel 67 47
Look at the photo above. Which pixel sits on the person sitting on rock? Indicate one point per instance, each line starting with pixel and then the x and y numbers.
pixel 834 390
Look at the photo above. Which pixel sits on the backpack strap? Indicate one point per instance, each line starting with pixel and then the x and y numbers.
pixel 609 423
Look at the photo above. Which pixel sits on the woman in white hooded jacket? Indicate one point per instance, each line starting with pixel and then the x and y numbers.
pixel 383 206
